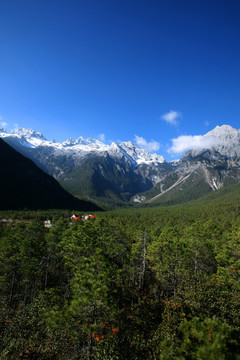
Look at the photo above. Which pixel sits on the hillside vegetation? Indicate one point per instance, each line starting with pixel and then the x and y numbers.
pixel 156 283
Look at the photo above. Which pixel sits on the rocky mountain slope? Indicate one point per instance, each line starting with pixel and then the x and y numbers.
pixel 90 168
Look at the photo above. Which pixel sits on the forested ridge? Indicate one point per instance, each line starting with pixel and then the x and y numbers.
pixel 156 283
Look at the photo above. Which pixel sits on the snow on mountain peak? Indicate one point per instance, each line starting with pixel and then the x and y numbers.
pixel 28 133
pixel 84 143
pixel 223 139
pixel 222 130
pixel 140 155
pixel 228 140
pixel 68 142
pixel 80 140
pixel 79 147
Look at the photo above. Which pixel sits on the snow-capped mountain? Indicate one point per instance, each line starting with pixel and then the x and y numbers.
pixel 140 156
pixel 227 140
pixel 79 147
pixel 90 168
pixel 222 139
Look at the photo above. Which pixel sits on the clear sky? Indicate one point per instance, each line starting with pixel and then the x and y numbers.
pixel 142 70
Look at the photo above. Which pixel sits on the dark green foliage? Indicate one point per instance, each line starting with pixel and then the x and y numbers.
pixel 157 283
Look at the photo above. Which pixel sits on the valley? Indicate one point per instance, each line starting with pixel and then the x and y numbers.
pixel 157 280
pixel 120 180
pixel 127 175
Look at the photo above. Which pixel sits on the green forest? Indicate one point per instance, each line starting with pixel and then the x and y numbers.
pixel 154 283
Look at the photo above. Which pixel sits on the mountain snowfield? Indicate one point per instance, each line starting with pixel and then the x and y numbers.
pixel 224 139
pixel 227 140
pixel 81 147
pixel 94 170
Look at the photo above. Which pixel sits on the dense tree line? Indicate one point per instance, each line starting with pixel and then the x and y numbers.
pixel 132 284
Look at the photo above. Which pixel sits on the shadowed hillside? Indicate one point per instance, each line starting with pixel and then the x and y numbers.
pixel 25 186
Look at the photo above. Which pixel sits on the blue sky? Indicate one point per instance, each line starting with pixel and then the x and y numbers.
pixel 142 70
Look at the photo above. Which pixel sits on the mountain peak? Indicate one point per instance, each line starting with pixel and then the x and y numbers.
pixel 222 130
pixel 28 133
pixel 224 139
pixel 80 140
pixel 68 142
pixel 140 155
pixel 128 144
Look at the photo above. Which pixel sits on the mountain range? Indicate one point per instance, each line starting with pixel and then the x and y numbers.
pixel 90 169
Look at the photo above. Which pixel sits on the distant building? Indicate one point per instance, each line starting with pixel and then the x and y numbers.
pixel 47 223
pixel 83 217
